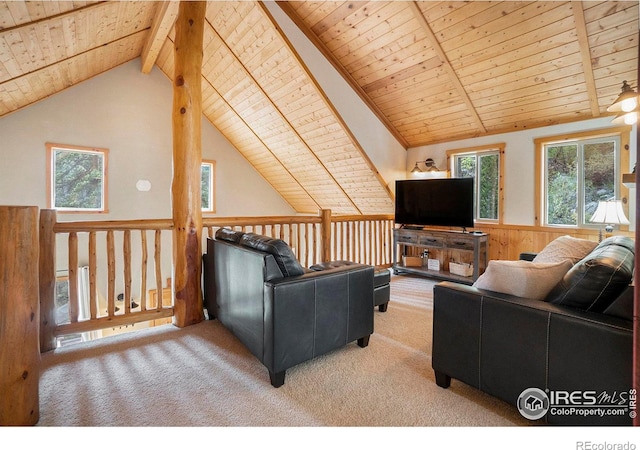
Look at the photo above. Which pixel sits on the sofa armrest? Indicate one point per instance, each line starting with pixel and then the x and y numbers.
pixel 527 256
pixel 315 313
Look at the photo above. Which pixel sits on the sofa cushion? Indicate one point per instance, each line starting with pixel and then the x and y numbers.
pixel 599 278
pixel 229 235
pixel 281 252
pixel 623 305
pixel 522 278
pixel 565 247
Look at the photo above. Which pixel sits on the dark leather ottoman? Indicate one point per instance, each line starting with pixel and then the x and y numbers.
pixel 381 288
pixel 381 280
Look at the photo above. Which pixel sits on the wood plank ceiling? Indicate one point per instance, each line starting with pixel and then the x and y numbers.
pixel 431 71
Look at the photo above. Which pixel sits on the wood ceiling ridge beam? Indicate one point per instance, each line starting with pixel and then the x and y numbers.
pixel 291 128
pixel 322 48
pixel 53 17
pixel 293 177
pixel 69 58
pixel 163 21
pixel 447 65
pixel 585 52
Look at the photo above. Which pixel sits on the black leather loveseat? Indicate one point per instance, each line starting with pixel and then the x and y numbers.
pixel 284 314
pixel 575 346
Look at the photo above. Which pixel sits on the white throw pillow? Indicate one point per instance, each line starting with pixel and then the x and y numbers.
pixel 565 248
pixel 522 278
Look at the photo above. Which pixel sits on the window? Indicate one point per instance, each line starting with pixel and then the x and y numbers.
pixel 576 172
pixel 484 164
pixel 207 172
pixel 77 178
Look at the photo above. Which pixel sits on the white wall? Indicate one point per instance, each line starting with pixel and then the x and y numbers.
pixel 519 160
pixel 128 113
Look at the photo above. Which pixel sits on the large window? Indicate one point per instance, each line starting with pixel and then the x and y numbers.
pixel 576 172
pixel 208 172
pixel 484 164
pixel 77 178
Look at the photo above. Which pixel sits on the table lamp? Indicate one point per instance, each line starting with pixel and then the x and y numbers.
pixel 610 213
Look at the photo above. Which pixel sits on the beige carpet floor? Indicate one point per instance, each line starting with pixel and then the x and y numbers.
pixel 202 376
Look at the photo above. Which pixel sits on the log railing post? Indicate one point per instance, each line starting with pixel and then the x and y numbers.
pixel 187 159
pixel 19 316
pixel 325 235
pixel 47 279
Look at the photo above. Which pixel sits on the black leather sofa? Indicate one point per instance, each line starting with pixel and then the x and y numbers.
pixel 505 345
pixel 283 313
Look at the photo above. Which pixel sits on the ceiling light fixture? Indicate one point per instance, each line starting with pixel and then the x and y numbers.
pixel 626 118
pixel 626 102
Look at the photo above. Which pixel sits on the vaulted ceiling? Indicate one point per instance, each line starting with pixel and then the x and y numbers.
pixel 430 71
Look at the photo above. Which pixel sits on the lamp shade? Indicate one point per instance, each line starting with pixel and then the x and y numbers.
pixel 626 101
pixel 610 212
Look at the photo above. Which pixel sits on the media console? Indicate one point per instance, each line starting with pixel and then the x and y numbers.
pixel 446 246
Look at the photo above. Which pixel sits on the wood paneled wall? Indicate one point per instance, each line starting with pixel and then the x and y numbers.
pixel 508 241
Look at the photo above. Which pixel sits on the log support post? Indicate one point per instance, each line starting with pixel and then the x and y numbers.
pixel 187 159
pixel 47 279
pixel 325 234
pixel 19 316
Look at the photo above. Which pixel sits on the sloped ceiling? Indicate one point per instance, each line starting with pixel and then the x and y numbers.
pixel 431 71
pixel 437 71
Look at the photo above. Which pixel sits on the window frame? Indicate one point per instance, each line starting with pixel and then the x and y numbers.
pixel 212 185
pixel 51 152
pixel 478 151
pixel 581 137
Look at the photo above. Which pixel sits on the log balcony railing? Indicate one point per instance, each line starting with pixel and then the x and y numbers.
pixel 122 262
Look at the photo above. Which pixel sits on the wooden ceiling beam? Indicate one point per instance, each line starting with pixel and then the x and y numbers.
pixel 585 53
pixel 433 40
pixel 165 18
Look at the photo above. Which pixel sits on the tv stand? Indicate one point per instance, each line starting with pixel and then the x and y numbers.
pixel 446 246
pixel 412 227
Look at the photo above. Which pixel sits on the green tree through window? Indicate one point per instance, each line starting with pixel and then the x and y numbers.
pixel 78 178
pixel 207 175
pixel 578 175
pixel 484 167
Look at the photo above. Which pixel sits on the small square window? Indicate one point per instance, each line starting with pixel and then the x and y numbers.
pixel 77 178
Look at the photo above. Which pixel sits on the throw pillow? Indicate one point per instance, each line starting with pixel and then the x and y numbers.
pixel 522 278
pixel 565 247
pixel 599 278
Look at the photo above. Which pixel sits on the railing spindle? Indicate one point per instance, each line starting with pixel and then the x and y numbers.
pixel 158 261
pixel 143 270
pixel 111 274
pixel 126 250
pixel 73 277
pixel 93 271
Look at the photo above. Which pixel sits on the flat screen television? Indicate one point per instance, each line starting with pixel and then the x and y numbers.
pixel 435 201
